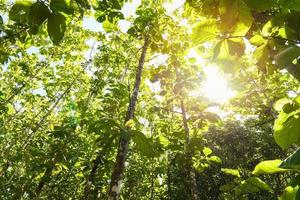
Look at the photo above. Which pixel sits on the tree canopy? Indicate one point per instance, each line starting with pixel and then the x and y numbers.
pixel 142 99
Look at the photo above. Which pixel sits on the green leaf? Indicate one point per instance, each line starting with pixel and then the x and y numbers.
pixel 287 128
pixel 260 5
pixel 227 187
pixel 83 3
pixel 61 6
pixel 280 103
pixel 262 54
pixel 236 17
pixel 289 193
pixel 255 181
pixel 257 40
pixel 292 162
pixel 268 167
pixel 19 12
pixel 205 31
pixel 227 54
pixel 163 140
pixel 38 13
pixel 233 172
pixel 108 26
pixel 290 4
pixel 207 151
pixel 56 27
pixel 236 46
pixel 251 185
pixel 287 56
pixel 229 47
pixel 143 144
pixel 215 159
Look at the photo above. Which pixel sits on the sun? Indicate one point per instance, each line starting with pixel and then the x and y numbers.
pixel 215 86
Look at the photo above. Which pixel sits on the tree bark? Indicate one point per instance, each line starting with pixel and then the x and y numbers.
pixel 116 177
pixel 191 172
pixel 46 177
pixel 90 179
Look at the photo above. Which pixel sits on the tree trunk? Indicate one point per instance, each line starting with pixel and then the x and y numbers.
pixel 116 177
pixel 97 163
pixel 46 177
pixel 191 172
pixel 90 180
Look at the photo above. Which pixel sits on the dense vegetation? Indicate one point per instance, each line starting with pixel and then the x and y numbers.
pixel 96 103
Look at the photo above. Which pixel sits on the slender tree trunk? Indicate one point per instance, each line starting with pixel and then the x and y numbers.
pixel 97 163
pixel 46 177
pixel 191 172
pixel 90 179
pixel 152 186
pixel 116 177
pixel 169 182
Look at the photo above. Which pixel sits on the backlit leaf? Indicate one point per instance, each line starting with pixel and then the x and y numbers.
pixel 268 167
pixel 205 31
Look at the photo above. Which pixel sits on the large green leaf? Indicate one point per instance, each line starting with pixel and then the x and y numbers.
pixel 290 4
pixel 143 144
pixel 205 31
pixel 268 167
pixel 38 13
pixel 251 185
pixel 260 5
pixel 227 54
pixel 62 6
pixel 292 162
pixel 236 17
pixel 287 56
pixel 56 27
pixel 19 12
pixel 289 193
pixel 229 47
pixel 287 128
pixel 262 54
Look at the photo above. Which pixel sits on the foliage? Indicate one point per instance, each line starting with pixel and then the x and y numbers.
pixel 90 114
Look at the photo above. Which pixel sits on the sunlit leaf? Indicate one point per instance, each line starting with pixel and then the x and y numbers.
pixel 215 159
pixel 207 151
pixel 233 172
pixel 268 167
pixel 205 31
pixel 287 128
pixel 289 193
pixel 236 17
pixel 108 26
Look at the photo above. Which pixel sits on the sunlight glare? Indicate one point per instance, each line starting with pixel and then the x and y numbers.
pixel 215 86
